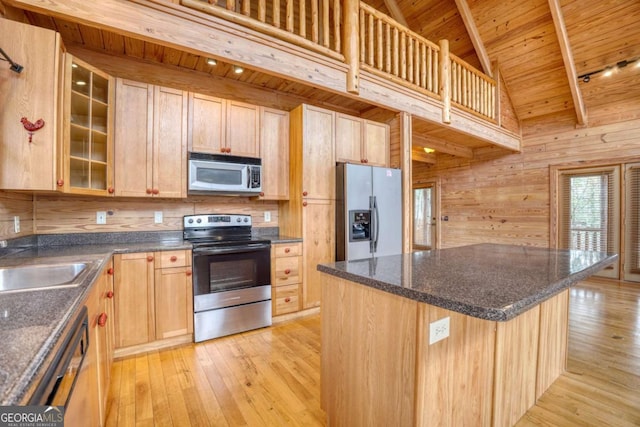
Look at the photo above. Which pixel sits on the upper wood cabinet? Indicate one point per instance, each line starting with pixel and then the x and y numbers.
pixel 361 141
pixel 28 162
pixel 312 150
pixel 150 140
pixel 274 152
pixel 221 126
pixel 86 152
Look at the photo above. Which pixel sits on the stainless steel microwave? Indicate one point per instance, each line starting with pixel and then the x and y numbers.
pixel 220 174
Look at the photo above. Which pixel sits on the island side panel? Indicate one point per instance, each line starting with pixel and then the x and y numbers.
pixel 367 355
pixel 553 344
pixel 454 382
pixel 515 367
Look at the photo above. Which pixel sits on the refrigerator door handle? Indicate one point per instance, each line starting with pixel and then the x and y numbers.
pixel 372 220
pixel 376 224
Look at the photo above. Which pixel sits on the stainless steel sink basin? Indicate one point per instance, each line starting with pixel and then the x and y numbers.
pixel 42 276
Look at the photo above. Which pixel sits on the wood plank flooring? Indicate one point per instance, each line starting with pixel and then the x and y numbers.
pixel 271 377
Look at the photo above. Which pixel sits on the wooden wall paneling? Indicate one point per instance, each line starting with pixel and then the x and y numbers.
pixel 60 214
pixel 515 367
pixel 407 172
pixel 369 361
pixel 15 204
pixel 455 370
pixel 553 342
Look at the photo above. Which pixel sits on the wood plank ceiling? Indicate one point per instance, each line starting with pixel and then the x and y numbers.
pixel 520 35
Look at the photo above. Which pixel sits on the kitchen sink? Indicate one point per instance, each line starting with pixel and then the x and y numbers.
pixel 41 276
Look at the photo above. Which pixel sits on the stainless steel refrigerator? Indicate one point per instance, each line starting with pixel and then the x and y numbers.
pixel 368 211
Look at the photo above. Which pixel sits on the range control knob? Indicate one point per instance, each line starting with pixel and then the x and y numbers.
pixel 246 220
pixel 199 220
pixel 190 221
pixel 238 219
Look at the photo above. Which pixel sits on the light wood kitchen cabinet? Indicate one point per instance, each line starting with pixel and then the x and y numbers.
pixel 173 294
pixel 28 162
pixel 318 223
pixel 274 152
pixel 220 126
pixel 134 298
pixel 88 404
pixel 153 298
pixel 286 277
pixel 310 211
pixel 150 140
pixel 361 141
pixel 86 150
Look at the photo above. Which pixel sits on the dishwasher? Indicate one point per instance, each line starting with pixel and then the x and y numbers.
pixel 56 386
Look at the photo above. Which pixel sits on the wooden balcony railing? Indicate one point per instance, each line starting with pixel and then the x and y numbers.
pixel 364 38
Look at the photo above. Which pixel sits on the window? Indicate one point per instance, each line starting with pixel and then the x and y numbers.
pixel 632 223
pixel 424 217
pixel 589 211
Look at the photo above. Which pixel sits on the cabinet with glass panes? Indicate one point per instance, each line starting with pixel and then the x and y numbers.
pixel 87 150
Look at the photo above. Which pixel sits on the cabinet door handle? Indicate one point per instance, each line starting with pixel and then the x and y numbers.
pixel 304 203
pixel 173 258
pixel 155 191
pixel 110 294
pixel 304 193
pixel 262 194
pixel 287 250
pixel 189 273
pixel 111 190
pixel 60 182
pixel 287 271
pixel 149 191
pixel 110 271
pixel 102 319
pixel 149 258
pixel 287 299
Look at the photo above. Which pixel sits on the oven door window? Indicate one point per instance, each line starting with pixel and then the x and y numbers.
pixel 225 272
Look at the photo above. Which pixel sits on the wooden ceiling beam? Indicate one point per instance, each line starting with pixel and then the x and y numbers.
pixel 569 64
pixel 419 155
pixel 474 35
pixel 442 146
pixel 395 12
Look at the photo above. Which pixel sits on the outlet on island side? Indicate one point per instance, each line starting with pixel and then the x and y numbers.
pixel 438 330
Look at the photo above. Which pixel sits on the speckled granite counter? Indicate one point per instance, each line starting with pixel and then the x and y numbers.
pixel 488 281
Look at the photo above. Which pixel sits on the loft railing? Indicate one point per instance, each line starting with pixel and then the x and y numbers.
pixel 362 37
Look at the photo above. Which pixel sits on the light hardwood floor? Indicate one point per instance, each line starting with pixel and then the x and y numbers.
pixel 271 377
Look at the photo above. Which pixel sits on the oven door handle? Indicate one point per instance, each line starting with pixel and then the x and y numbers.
pixel 251 247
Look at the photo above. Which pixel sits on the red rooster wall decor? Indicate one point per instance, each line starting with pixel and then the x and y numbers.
pixel 31 127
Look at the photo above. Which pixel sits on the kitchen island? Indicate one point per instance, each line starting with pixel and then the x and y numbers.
pixel 462 336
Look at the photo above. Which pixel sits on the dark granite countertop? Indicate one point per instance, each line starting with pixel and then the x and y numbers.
pixel 487 281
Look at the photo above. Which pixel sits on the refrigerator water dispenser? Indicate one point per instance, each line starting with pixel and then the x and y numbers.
pixel 359 225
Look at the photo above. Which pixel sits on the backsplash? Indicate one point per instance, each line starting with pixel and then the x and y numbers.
pixel 16 204
pixel 58 214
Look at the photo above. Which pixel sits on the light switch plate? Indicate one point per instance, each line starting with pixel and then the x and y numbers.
pixel 267 216
pixel 101 217
pixel 438 330
pixel 157 217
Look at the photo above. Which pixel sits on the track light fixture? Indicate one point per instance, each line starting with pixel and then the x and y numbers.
pixel 609 70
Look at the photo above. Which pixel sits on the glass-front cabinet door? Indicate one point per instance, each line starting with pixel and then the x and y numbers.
pixel 86 157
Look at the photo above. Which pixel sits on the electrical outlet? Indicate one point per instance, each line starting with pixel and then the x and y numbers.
pixel 267 216
pixel 16 224
pixel 438 330
pixel 157 217
pixel 101 217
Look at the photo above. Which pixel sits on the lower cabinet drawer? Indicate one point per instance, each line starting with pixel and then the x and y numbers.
pixel 287 270
pixel 286 299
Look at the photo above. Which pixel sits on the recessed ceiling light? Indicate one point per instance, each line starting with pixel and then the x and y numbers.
pixel 429 150
pixel 238 69
pixel 81 83
pixel 211 61
pixel 608 72
pixel 74 65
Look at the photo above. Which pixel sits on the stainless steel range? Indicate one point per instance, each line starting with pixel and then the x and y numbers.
pixel 231 275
